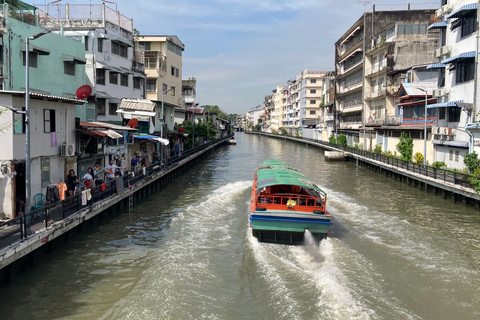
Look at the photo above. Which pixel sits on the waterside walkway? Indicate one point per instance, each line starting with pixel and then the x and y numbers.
pixel 21 236
pixel 446 183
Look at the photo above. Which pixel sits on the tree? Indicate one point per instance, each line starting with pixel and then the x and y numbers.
pixel 471 161
pixel 405 147
pixel 342 140
pixel 215 109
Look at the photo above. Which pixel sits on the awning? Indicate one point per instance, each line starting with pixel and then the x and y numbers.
pixel 438 25
pixel 100 65
pixel 126 70
pixel 438 65
pixel 93 132
pixel 350 35
pixel 464 9
pixel 329 104
pixel 163 141
pixel 139 75
pixel 131 105
pixel 460 144
pixel 465 55
pixel 31 47
pixel 69 58
pixel 444 104
pixel 136 113
pixel 103 95
pixel 113 134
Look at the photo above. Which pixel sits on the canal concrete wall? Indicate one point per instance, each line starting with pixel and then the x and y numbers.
pixel 21 255
pixel 447 190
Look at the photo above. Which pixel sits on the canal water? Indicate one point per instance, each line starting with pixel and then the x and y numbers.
pixel 395 252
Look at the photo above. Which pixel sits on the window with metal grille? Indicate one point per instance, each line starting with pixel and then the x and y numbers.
pixel 112 109
pixel 69 67
pixel 45 174
pixel 124 80
pixel 100 107
pixel 100 76
pixel 113 77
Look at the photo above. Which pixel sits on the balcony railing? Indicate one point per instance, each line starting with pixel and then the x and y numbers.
pixel 393 120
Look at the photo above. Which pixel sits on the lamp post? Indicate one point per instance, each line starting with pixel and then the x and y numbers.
pixel 425 131
pixel 27 118
pixel 161 120
pixel 193 124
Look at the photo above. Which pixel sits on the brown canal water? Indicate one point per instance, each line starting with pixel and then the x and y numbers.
pixel 186 252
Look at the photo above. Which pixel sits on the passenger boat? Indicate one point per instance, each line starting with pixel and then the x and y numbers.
pixel 284 204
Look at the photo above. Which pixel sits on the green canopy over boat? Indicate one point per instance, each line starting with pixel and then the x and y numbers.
pixel 276 172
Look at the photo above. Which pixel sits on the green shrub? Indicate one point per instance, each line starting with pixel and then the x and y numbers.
pixel 342 140
pixel 274 131
pixel 284 131
pixel 475 180
pixel 377 149
pixel 471 161
pixel 439 165
pixel 405 147
pixel 332 139
pixel 418 158
pixel 388 153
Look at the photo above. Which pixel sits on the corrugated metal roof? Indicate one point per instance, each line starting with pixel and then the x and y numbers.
pixel 413 88
pixel 105 125
pixel 137 104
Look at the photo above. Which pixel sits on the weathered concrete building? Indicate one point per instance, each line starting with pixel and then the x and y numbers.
pixel 370 59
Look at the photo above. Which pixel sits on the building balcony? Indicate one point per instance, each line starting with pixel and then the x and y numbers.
pixel 352 108
pixel 375 94
pixel 328 117
pixel 375 69
pixel 350 88
pixel 393 120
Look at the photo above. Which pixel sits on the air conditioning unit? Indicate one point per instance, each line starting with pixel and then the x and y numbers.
pixel 435 130
pixel 67 150
pixel 438 92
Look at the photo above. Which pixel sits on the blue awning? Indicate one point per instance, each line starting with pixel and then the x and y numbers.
pixel 457 13
pixel 436 66
pixel 444 104
pixel 438 25
pixel 465 55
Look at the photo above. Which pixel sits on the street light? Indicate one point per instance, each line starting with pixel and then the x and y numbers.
pixel 193 124
pixel 425 131
pixel 27 118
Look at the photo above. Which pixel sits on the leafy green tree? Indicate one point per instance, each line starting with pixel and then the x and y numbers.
pixel 377 149
pixel 215 109
pixel 342 140
pixel 405 147
pixel 475 180
pixel 471 161
pixel 332 138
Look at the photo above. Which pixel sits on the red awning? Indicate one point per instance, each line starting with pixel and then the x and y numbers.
pixel 93 132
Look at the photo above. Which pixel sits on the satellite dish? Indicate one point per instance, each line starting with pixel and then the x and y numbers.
pixel 84 92
pixel 133 123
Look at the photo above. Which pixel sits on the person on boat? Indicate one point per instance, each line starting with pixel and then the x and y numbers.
pixel 291 203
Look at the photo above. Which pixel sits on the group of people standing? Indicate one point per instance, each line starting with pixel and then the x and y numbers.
pixel 95 176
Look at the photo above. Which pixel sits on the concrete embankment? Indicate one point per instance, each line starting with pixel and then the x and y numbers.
pixel 452 186
pixel 21 255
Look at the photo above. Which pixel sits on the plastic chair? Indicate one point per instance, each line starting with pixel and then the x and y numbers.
pixel 39 201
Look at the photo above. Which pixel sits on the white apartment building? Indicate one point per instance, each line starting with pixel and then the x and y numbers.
pixel 278 103
pixel 456 95
pixel 311 97
pixel 114 65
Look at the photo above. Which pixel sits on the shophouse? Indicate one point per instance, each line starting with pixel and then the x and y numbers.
pixel 114 63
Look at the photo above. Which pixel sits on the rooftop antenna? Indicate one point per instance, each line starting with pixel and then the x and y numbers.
pixel 365 2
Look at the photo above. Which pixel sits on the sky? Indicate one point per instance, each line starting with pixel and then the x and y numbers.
pixel 240 50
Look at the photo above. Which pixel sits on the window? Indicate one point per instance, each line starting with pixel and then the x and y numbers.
pixel 101 76
pixel 441 113
pixel 174 71
pixel 113 76
pixel 100 44
pixel 119 49
pixel 313 112
pixel 469 23
pixel 147 46
pixel 150 60
pixel 401 29
pixel 465 70
pixel 100 107
pixel 391 33
pixel 151 85
pixel 48 120
pixel 313 101
pixel 45 172
pixel 172 90
pixel 457 155
pixel 69 67
pixel 454 114
pixel 409 29
pixel 136 82
pixel 19 122
pixel 124 80
pixel 451 155
pixel 86 43
pixel 313 80
pixel 32 59
pixel 112 109
pixel 313 91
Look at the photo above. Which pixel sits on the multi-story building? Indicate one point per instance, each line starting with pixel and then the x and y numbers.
pixel 163 66
pixel 277 114
pixel 457 104
pixel 326 120
pixel 114 64
pixel 311 98
pixel 269 108
pixel 368 58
